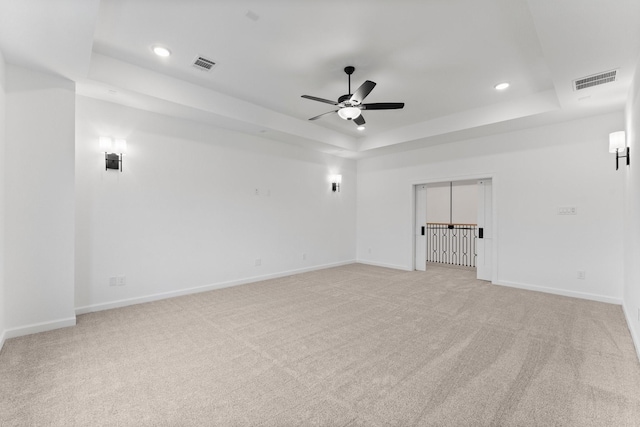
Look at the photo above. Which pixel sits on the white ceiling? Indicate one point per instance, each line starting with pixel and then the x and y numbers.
pixel 440 57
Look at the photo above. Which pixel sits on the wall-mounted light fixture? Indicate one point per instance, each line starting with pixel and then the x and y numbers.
pixel 336 180
pixel 617 145
pixel 111 148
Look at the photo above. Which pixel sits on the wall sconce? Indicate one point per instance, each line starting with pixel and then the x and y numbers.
pixel 110 149
pixel 336 180
pixel 617 144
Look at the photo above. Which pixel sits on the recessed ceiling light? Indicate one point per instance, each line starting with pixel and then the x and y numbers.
pixel 501 86
pixel 161 51
pixel 361 128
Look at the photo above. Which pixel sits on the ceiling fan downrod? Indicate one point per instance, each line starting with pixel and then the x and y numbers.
pixel 349 70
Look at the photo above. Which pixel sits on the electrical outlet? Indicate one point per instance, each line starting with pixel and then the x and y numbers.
pixel 258 262
pixel 257 192
pixel 582 274
pixel 304 256
pixel 369 251
pixel 113 281
pixel 122 280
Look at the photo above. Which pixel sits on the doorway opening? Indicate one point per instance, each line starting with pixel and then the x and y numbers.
pixel 453 223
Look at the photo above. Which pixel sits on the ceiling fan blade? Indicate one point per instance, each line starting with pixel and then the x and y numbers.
pixel 361 93
pixel 323 114
pixel 383 106
pixel 315 98
pixel 359 120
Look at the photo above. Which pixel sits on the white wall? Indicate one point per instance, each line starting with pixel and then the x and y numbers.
pixel 465 203
pixel 2 214
pixel 438 202
pixel 183 214
pixel 534 172
pixel 632 214
pixel 462 210
pixel 39 201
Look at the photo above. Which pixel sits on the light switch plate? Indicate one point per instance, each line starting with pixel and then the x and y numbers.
pixel 567 210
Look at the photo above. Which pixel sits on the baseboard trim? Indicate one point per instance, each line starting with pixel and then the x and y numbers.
pixel 164 295
pixel 634 332
pixel 573 294
pixel 2 340
pixel 39 327
pixel 381 264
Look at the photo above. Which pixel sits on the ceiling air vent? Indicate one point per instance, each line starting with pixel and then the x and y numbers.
pixel 595 80
pixel 203 64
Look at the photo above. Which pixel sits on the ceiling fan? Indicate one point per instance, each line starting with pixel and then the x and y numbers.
pixel 350 106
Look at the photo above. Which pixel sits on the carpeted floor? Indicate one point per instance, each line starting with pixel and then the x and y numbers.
pixel 348 346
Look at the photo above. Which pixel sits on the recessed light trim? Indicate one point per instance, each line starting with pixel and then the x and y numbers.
pixel 501 86
pixel 161 51
pixel 361 128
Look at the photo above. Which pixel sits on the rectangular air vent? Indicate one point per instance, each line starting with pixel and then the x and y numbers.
pixel 203 64
pixel 595 80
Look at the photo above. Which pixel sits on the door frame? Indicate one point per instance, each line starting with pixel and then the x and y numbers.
pixel 420 240
pixel 494 213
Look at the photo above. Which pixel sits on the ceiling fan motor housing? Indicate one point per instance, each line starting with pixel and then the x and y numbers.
pixel 344 98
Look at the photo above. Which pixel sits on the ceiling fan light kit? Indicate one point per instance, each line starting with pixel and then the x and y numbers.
pixel 350 106
pixel 349 113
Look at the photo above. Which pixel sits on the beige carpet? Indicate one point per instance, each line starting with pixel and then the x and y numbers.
pixel 348 346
